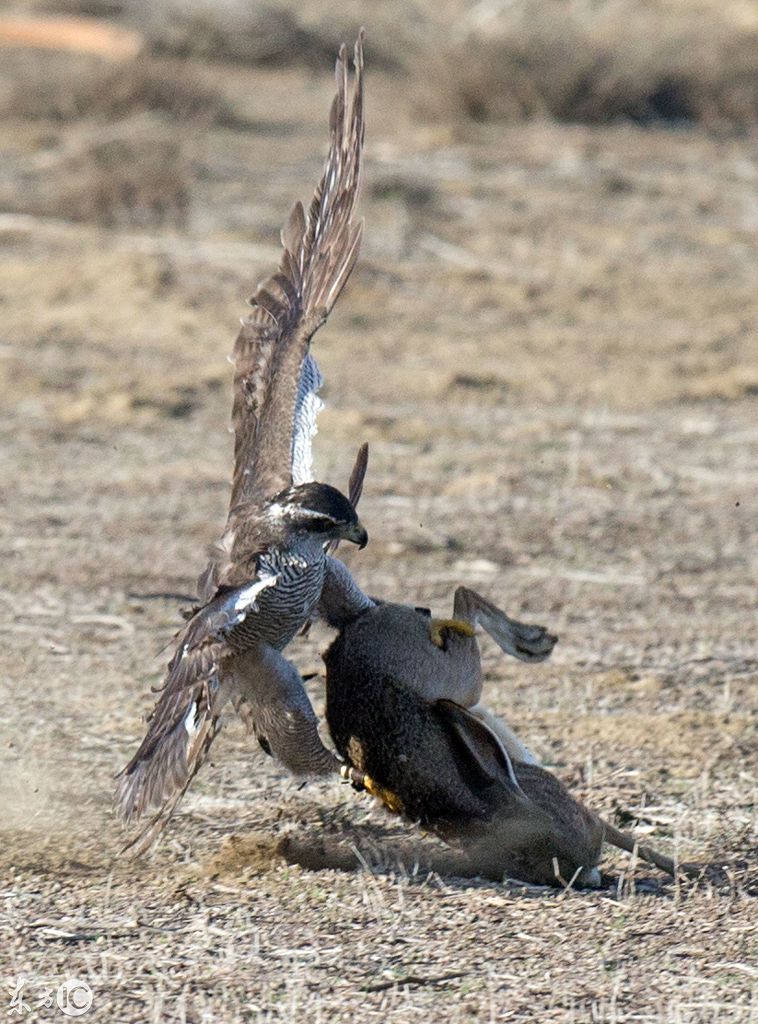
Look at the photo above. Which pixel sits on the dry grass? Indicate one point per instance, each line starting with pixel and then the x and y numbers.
pixel 64 87
pixel 116 139
pixel 659 61
pixel 133 174
pixel 646 63
pixel 277 33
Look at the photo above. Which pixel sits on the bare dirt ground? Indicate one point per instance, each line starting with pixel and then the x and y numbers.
pixel 550 342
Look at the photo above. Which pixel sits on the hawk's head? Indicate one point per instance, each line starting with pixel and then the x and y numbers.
pixel 318 510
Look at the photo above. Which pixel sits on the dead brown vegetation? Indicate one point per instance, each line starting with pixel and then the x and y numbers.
pixel 117 138
pixel 622 61
pixel 652 62
pixel 62 87
pixel 277 33
pixel 133 174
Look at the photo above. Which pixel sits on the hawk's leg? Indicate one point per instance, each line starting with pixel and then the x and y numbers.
pixel 342 600
pixel 362 782
pixel 272 700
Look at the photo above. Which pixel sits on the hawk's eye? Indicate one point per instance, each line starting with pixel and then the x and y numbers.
pixel 320 524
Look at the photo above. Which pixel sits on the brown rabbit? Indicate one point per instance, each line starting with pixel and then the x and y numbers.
pixel 402 703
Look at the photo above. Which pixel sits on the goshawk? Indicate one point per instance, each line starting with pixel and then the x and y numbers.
pixel 271 570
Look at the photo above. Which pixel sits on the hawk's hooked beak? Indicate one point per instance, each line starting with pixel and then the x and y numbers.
pixel 356 532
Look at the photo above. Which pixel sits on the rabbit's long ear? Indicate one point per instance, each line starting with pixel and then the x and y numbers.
pixel 481 747
pixel 521 640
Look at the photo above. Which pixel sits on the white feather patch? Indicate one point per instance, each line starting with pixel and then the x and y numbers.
pixel 246 598
pixel 189 721
pixel 307 408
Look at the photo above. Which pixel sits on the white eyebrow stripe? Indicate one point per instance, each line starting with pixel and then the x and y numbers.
pixel 279 511
pixel 314 514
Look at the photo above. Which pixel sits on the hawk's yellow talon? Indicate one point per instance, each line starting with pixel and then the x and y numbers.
pixel 390 800
pixel 438 628
pixel 385 796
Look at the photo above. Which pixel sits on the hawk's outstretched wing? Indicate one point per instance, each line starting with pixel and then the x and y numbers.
pixel 276 380
pixel 275 407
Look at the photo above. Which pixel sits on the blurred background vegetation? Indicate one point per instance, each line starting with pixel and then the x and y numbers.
pixel 160 66
pixel 542 176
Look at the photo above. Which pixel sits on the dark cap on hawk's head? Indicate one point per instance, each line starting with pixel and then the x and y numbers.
pixel 317 508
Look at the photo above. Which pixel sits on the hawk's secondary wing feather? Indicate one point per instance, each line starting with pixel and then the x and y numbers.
pixel 307 408
pixel 275 380
pixel 184 721
pixel 159 775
